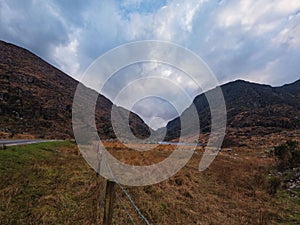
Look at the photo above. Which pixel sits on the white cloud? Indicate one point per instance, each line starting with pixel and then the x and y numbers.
pixel 66 56
pixel 171 22
pixel 290 34
pixel 252 15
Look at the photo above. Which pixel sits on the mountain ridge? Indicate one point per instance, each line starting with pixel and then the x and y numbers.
pixel 36 98
pixel 250 106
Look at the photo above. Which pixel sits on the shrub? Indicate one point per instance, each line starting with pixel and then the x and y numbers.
pixel 273 185
pixel 288 155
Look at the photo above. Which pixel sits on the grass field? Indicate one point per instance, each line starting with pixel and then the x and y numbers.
pixel 50 183
pixel 46 183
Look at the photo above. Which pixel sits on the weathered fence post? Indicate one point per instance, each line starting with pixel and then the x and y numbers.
pixel 108 202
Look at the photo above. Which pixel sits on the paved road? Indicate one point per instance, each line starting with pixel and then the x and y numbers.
pixel 7 142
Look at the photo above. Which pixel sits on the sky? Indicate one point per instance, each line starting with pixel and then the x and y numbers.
pixel 257 41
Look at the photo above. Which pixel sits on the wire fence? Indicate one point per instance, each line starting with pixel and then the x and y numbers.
pixel 125 208
pixel 129 199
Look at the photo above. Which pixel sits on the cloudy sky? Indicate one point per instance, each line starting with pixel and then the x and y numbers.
pixel 239 39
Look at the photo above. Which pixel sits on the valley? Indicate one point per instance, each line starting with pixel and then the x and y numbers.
pixel 51 183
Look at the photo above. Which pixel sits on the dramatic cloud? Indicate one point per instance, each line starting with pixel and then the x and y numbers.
pixel 254 40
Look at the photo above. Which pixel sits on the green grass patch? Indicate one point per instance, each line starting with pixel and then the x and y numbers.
pixel 290 208
pixel 46 184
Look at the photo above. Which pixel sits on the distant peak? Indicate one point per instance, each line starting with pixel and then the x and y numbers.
pixel 244 82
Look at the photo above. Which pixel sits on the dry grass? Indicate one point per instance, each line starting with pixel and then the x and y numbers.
pixel 227 193
pixel 51 184
pixel 6 135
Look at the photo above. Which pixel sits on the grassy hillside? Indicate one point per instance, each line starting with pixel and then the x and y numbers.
pixel 46 184
pixel 50 183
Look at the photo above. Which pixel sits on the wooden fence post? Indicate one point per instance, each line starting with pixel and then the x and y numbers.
pixel 108 202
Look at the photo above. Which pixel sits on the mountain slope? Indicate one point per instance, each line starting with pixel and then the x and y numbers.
pixel 250 106
pixel 36 98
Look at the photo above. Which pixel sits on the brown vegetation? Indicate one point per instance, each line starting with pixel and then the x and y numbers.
pixel 51 184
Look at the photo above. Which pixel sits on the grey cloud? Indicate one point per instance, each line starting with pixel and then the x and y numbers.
pixel 154 107
pixel 33 25
pixel 244 51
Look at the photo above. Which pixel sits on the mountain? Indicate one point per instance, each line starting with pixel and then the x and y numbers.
pixel 252 109
pixel 36 98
